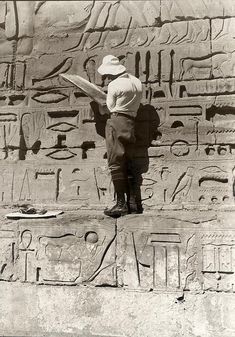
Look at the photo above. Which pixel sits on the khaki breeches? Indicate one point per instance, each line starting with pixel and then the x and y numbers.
pixel 120 139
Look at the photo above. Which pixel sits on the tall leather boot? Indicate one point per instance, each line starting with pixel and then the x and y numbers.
pixel 134 196
pixel 120 208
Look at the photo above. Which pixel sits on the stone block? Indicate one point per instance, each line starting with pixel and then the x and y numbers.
pixel 68 250
pixel 166 253
pixel 78 185
pixel 168 184
pixel 58 127
pixel 206 88
pixel 149 257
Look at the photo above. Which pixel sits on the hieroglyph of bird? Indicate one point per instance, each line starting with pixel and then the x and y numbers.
pixel 183 186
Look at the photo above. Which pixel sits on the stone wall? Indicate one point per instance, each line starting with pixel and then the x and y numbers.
pixel 183 52
pixel 180 252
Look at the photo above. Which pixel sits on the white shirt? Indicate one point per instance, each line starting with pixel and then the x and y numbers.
pixel 124 95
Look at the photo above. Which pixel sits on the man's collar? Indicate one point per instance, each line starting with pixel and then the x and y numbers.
pixel 123 75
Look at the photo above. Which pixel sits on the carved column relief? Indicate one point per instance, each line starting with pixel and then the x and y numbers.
pixel 165 254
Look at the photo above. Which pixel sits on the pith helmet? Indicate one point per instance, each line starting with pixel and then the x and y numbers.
pixel 111 66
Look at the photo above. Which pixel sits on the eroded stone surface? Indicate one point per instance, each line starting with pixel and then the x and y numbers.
pixel 70 250
pixel 170 254
pixel 72 311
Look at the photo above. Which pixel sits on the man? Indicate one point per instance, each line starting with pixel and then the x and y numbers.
pixel 123 100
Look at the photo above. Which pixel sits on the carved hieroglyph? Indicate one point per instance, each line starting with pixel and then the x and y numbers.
pixel 153 254
pixel 74 251
pixel 52 135
pixel 167 252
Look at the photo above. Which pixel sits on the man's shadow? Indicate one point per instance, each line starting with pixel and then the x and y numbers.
pixel 146 124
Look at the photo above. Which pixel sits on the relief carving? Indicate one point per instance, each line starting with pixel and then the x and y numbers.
pixel 212 63
pixel 191 256
pixel 153 258
pixel 218 261
pixel 8 255
pixel 151 252
pixel 83 253
pixel 213 184
pixel 186 257
pixel 183 186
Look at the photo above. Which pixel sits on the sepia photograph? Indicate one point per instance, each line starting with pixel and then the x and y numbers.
pixel 117 168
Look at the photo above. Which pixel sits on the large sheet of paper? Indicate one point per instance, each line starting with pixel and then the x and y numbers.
pixel 90 89
pixel 19 215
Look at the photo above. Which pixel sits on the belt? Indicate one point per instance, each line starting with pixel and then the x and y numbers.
pixel 122 114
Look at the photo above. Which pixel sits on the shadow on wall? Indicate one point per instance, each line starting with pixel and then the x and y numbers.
pixel 147 122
